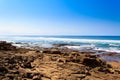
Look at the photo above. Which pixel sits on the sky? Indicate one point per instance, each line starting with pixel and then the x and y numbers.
pixel 59 17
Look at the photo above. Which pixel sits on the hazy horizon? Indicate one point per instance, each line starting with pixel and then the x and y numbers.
pixel 60 17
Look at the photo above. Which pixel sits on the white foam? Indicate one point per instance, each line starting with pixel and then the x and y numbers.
pixel 92 47
pixel 108 50
pixel 82 47
pixel 64 39
pixel 116 45
pixel 46 45
pixel 18 45
pixel 73 47
pixel 79 40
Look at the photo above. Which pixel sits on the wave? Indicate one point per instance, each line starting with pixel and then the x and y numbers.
pixel 108 49
pixel 66 39
pixel 85 47
pixel 60 39
pixel 112 45
pixel 79 40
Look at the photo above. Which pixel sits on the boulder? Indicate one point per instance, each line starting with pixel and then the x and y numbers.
pixel 94 62
pixel 55 51
pixel 3 69
pixel 6 46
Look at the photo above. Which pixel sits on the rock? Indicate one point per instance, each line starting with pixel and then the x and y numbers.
pixel 107 70
pixel 5 78
pixel 112 54
pixel 14 72
pixel 81 76
pixel 118 71
pixel 47 58
pixel 93 62
pixel 44 78
pixel 111 70
pixel 55 51
pixel 26 64
pixel 61 60
pixel 11 60
pixel 61 45
pixel 28 75
pixel 3 69
pixel 10 76
pixel 74 54
pixel 6 46
pixel 82 70
pixel 35 63
pixel 46 50
pixel 54 78
pixel 36 78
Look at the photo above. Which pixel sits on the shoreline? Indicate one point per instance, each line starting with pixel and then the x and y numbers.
pixel 104 54
pixel 54 64
pixel 109 44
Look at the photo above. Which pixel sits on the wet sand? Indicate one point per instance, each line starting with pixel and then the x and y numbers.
pixel 18 63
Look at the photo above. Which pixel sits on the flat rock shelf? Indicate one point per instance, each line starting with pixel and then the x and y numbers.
pixel 18 63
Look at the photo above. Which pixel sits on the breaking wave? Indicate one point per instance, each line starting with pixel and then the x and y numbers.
pixel 97 44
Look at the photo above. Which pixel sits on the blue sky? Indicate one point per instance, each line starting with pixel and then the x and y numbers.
pixel 60 17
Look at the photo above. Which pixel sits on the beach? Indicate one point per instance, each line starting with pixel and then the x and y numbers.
pixel 55 63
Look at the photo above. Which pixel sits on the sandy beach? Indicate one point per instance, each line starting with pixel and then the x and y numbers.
pixel 18 63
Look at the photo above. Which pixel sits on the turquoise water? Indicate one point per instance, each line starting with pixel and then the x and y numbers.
pixel 108 43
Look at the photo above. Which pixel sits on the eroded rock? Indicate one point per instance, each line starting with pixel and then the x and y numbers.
pixel 53 64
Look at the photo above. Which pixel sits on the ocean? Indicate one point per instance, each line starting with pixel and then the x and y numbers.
pixel 106 43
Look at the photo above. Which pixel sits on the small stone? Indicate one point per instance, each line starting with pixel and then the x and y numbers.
pixel 3 69
pixel 44 78
pixel 5 78
pixel 111 70
pixel 36 78
pixel 118 71
pixel 54 78
pixel 55 51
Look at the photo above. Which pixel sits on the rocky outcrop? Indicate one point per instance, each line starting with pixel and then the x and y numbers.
pixel 6 46
pixel 53 64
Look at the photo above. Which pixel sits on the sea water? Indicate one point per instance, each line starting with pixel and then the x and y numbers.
pixel 107 43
